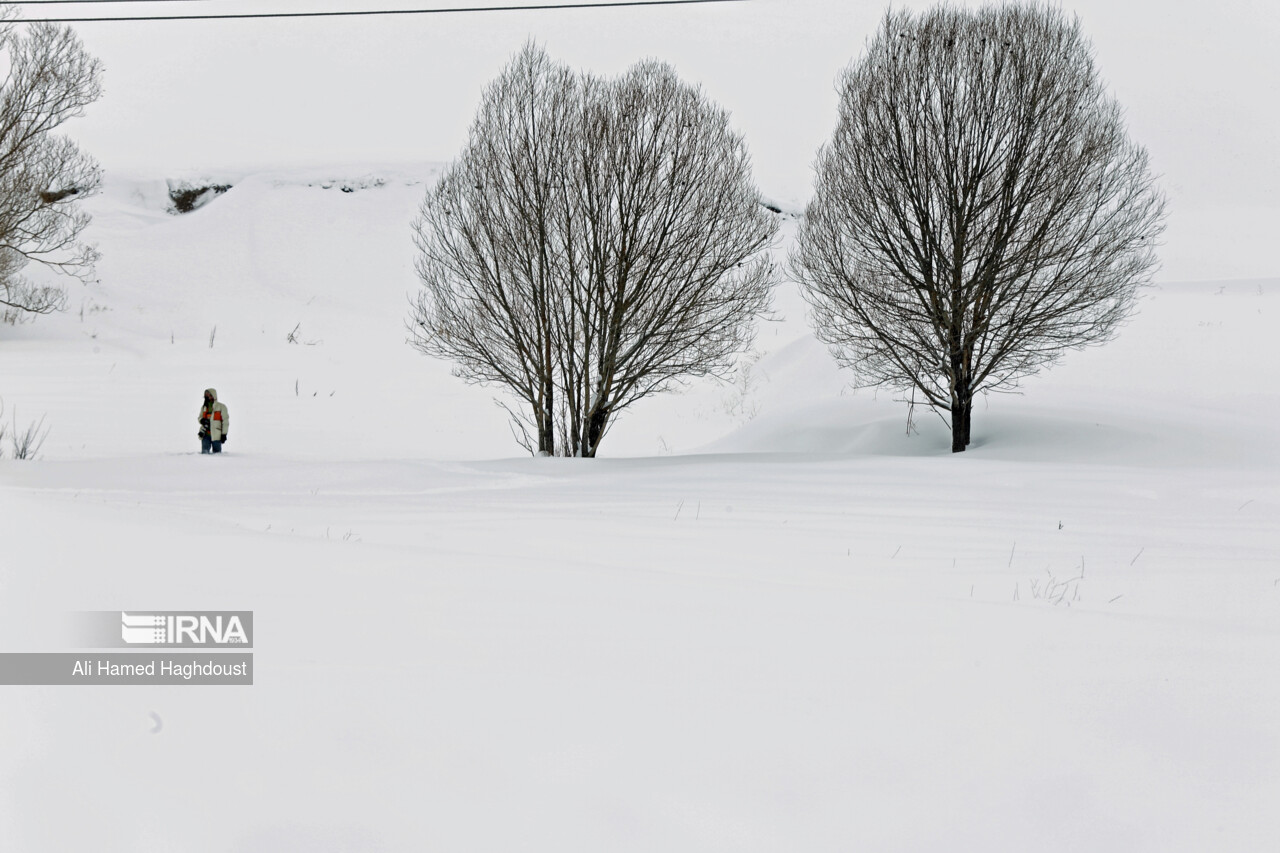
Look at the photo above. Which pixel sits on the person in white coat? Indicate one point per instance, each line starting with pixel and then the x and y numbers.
pixel 214 423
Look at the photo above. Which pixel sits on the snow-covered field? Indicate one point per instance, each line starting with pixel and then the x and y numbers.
pixel 769 620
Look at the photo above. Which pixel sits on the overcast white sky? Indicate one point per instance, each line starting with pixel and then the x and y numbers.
pixel 1200 81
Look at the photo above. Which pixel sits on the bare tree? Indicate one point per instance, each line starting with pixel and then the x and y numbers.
pixel 49 79
pixel 664 256
pixel 596 242
pixel 980 210
pixel 488 259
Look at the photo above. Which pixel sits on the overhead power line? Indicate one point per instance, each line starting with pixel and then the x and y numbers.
pixel 82 2
pixel 529 7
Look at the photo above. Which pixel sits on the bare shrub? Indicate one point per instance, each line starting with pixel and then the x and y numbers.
pixel 185 197
pixel 25 443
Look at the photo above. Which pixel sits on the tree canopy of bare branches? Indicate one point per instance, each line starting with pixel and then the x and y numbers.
pixel 49 79
pixel 594 243
pixel 980 209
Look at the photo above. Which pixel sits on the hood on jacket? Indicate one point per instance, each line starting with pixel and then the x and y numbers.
pixel 213 394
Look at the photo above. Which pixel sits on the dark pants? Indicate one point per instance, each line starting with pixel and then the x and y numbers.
pixel 207 445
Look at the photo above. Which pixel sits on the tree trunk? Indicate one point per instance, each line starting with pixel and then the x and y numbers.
pixel 546 440
pixel 961 405
pixel 961 418
pixel 596 423
pixel 546 421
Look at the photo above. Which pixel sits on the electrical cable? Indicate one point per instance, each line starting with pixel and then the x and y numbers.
pixel 531 7
pixel 81 2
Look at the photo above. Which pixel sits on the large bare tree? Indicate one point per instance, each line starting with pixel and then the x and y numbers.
pixel 489 264
pixel 48 79
pixel 597 241
pixel 664 252
pixel 980 210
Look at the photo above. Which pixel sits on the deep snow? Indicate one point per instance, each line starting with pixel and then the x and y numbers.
pixel 769 620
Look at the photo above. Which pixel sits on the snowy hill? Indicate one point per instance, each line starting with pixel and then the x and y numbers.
pixel 769 620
